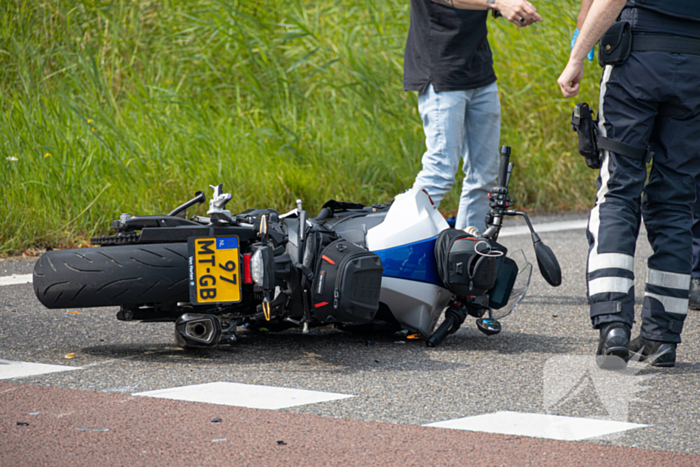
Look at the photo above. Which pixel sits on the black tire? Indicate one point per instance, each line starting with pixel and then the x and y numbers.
pixel 115 275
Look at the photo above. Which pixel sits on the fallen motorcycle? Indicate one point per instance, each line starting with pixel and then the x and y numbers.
pixel 395 267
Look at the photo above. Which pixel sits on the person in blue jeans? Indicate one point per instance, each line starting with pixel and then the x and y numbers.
pixel 448 61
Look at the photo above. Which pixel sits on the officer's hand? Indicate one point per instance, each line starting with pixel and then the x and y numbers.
pixel 519 12
pixel 571 77
pixel 573 41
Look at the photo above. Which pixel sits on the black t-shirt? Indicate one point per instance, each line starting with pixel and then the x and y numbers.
pixel 447 47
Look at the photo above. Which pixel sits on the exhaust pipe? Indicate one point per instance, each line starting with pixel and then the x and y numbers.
pixel 197 330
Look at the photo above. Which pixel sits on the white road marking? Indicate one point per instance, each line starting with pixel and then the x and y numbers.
pixel 15 279
pixel 537 425
pixel 245 395
pixel 10 369
pixel 541 228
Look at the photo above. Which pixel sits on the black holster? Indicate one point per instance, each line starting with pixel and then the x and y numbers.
pixel 591 144
pixel 582 122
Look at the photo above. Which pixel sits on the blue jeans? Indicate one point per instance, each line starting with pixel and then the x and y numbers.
pixel 461 124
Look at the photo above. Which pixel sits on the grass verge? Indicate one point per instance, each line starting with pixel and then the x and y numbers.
pixel 114 106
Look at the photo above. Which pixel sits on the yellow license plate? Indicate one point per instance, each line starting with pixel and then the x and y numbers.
pixel 215 275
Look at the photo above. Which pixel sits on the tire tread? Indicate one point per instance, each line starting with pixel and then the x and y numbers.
pixel 114 275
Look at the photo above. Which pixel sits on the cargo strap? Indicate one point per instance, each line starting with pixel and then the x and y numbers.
pixel 665 43
pixel 306 271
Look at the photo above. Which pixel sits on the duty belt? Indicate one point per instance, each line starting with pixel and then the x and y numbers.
pixel 651 42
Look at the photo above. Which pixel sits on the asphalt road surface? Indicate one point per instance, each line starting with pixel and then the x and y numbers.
pixel 528 396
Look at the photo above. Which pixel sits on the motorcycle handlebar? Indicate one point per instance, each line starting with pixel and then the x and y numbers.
pixel 442 332
pixel 503 166
pixel 454 317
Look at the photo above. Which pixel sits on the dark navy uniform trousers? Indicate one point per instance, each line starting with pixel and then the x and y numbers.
pixel 653 99
pixel 696 233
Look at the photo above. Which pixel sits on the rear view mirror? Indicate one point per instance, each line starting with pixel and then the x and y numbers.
pixel 547 261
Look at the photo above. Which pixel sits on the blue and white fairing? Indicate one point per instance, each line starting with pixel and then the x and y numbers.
pixel 405 242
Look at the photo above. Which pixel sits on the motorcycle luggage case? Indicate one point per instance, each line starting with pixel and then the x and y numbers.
pixel 468 265
pixel 347 283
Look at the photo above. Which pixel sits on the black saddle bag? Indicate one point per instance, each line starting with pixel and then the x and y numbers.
pixel 347 283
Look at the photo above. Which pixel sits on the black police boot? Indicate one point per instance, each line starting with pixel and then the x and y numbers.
pixel 613 346
pixel 655 353
pixel 694 299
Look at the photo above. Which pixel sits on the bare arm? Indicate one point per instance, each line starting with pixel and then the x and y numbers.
pixel 519 12
pixel 599 19
pixel 583 12
pixel 601 15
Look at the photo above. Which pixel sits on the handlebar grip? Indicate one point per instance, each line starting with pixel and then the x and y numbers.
pixel 438 336
pixel 503 166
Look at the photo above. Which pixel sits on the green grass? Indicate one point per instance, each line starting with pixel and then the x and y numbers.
pixel 131 106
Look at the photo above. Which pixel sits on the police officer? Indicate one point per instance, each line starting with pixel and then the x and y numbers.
pixel 649 105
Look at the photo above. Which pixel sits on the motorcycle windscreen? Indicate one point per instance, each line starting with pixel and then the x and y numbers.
pixel 511 286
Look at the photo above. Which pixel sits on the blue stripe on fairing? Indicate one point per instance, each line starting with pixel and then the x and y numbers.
pixel 413 261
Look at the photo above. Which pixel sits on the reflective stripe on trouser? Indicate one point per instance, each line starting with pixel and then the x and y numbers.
pixel 639 107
